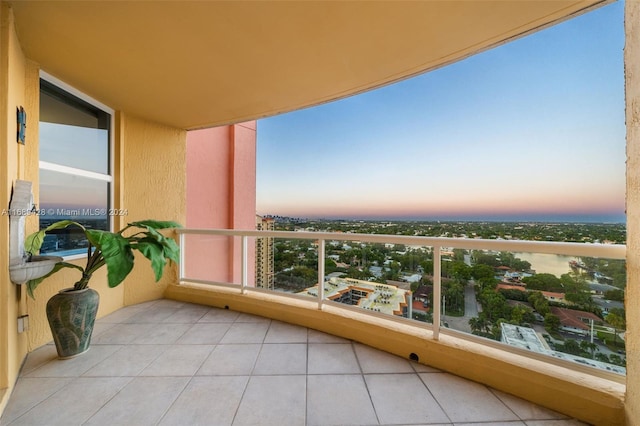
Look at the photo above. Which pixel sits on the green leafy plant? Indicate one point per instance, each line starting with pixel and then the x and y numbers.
pixel 113 249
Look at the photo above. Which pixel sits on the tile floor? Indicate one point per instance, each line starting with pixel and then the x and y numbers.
pixel 173 363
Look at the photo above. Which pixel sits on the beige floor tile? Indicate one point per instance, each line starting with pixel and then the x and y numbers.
pixel 154 315
pixel 514 423
pixel 122 334
pixel 282 358
pixel 204 334
pixel 75 403
pixel 280 332
pixel 376 361
pixel 28 393
pixel 526 410
pixel 130 360
pixel 178 360
pixel 466 401
pixel 339 400
pixel 230 360
pixel 75 367
pixel 123 314
pixel 248 332
pixel 219 315
pixel 207 401
pixel 403 398
pixel 332 358
pixel 188 314
pixel 38 357
pixel 143 401
pixel 273 401
pixel 163 334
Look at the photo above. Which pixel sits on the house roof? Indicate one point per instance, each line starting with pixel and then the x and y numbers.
pixel 205 63
pixel 574 318
pixel 510 287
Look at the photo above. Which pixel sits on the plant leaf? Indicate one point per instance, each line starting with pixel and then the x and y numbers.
pixel 154 252
pixel 170 248
pixel 34 241
pixel 116 252
pixel 32 284
pixel 156 224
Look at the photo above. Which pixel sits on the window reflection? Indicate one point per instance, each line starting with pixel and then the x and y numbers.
pixel 74 168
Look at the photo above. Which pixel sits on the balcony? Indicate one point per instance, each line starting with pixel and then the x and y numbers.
pixel 168 362
pixel 218 350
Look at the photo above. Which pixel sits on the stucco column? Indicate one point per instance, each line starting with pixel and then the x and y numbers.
pixel 632 92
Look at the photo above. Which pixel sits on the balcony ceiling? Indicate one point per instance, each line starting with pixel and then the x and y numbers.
pixel 200 64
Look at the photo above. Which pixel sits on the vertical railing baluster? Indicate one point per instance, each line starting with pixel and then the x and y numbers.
pixel 243 283
pixel 437 282
pixel 320 272
pixel 181 238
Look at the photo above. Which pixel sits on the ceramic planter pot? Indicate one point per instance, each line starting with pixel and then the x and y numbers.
pixel 71 314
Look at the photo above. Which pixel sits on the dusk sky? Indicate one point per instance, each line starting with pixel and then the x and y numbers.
pixel 531 130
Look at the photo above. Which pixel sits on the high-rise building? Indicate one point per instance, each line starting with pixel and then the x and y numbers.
pixel 264 254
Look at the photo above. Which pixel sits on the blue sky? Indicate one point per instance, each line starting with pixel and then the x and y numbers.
pixel 530 130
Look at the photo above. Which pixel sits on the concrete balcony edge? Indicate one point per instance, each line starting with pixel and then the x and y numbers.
pixel 589 398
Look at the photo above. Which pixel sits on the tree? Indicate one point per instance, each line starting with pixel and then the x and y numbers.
pixel 480 271
pixel 617 295
pixel 539 303
pixel 617 360
pixel 588 347
pixel 571 346
pixel 454 293
pixel 519 314
pixel 460 271
pixel 544 282
pixel 483 258
pixel 616 318
pixel 494 306
pixel 480 325
pixel 551 323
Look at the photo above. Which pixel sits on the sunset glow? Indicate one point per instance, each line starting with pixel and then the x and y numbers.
pixel 531 129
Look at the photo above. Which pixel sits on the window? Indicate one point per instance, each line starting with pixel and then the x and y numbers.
pixel 75 172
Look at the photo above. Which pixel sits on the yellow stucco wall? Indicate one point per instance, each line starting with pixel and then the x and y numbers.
pixel 150 164
pixel 632 93
pixel 149 158
pixel 12 94
pixel 152 181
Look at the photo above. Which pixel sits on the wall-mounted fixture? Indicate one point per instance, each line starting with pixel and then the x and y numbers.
pixel 22 124
pixel 23 267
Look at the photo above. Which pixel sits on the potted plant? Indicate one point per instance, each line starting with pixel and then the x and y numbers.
pixel 72 312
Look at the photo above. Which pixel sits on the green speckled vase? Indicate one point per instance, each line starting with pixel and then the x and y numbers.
pixel 71 314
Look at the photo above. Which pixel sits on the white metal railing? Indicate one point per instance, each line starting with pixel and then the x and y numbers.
pixel 607 251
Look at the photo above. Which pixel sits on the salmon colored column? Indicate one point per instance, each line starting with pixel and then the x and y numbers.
pixel 221 194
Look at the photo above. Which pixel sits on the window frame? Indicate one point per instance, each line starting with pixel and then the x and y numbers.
pixel 108 177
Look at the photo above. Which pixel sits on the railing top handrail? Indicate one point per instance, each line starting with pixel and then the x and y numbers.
pixel 608 251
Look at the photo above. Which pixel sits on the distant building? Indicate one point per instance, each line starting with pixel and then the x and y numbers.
pixel 265 268
pixel 554 297
pixel 574 320
pixel 549 295
pixel 527 338
pixel 376 297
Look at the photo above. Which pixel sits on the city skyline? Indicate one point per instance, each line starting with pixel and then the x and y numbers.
pixel 529 130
